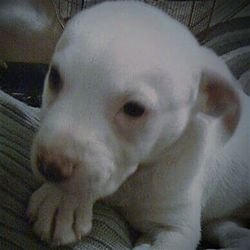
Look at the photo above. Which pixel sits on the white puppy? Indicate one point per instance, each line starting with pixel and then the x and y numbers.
pixel 134 110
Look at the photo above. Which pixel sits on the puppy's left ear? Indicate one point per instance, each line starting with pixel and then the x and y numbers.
pixel 218 96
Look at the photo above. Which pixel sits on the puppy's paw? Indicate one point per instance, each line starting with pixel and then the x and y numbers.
pixel 59 217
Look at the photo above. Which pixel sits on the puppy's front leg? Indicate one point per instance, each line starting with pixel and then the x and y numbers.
pixel 181 232
pixel 172 239
pixel 179 225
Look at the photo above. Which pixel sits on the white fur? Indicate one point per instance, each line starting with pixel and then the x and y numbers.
pixel 181 165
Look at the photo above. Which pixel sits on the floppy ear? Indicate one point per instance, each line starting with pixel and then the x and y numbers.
pixel 218 96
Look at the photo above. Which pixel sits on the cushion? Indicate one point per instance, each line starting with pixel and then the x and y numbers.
pixel 18 123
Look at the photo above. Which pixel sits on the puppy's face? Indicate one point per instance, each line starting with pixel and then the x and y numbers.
pixel 120 90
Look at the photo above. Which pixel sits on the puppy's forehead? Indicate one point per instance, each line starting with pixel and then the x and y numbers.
pixel 125 41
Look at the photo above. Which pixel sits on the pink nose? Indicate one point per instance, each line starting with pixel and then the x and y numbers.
pixel 55 170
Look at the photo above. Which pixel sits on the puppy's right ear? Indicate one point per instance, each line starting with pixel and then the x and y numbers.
pixel 218 95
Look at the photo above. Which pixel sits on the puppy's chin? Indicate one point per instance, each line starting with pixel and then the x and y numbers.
pixel 105 187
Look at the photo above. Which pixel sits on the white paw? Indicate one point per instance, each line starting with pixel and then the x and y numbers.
pixel 142 247
pixel 59 217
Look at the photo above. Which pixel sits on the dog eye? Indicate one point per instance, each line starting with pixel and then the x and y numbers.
pixel 133 109
pixel 55 82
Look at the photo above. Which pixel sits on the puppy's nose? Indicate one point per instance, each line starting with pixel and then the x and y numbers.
pixel 55 171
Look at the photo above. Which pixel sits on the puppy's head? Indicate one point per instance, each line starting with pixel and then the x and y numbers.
pixel 120 89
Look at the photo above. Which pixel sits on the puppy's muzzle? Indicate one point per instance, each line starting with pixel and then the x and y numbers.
pixel 62 156
pixel 55 171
